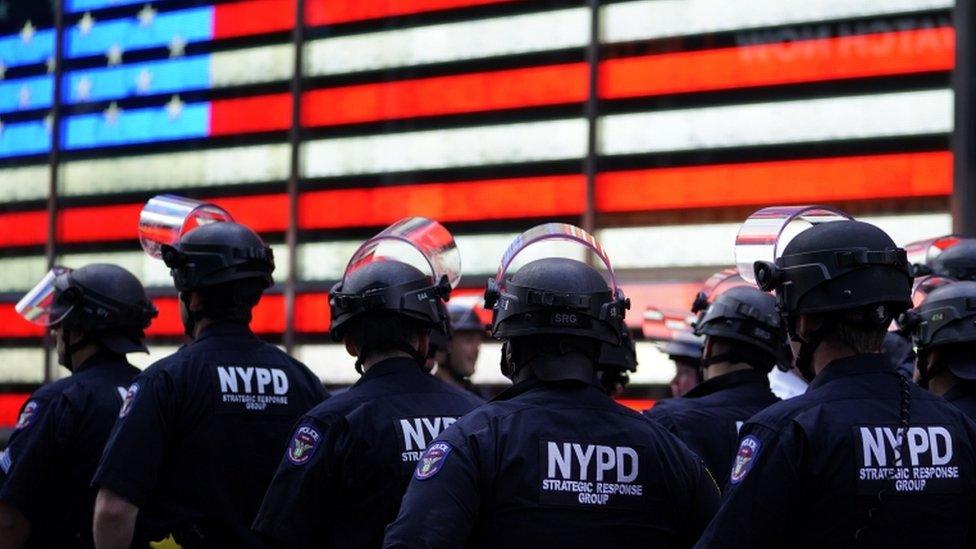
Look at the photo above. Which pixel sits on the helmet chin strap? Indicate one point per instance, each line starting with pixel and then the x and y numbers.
pixel 192 317
pixel 808 347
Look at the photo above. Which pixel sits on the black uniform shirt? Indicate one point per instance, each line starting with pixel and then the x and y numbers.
pixel 555 465
pixel 46 469
pixel 350 458
pixel 963 396
pixel 201 432
pixel 808 470
pixel 708 417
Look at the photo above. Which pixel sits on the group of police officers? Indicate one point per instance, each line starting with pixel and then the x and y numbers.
pixel 229 442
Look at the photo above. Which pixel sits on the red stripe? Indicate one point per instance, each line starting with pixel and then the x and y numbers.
pixel 253 17
pixel 465 201
pixel 261 113
pixel 311 316
pixel 10 405
pixel 13 325
pixel 768 183
pixel 98 223
pixel 889 53
pixel 330 12
pixel 484 91
pixel 637 404
pixel 23 228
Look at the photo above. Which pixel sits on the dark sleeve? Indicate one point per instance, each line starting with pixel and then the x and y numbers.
pixel 136 449
pixel 442 500
pixel 296 507
pixel 760 494
pixel 660 416
pixel 705 503
pixel 31 462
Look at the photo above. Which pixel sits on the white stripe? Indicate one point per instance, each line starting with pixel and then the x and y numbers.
pixel 811 120
pixel 474 146
pixel 334 366
pixel 252 65
pixel 518 34
pixel 22 364
pixel 166 172
pixel 24 183
pixel 647 19
pixel 20 274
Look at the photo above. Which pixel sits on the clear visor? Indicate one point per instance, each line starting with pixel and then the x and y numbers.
pixel 924 285
pixel 417 241
pixel 661 325
pixel 764 236
pixel 552 240
pixel 723 281
pixel 924 251
pixel 37 306
pixel 166 218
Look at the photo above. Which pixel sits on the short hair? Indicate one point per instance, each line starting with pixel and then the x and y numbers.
pixel 383 332
pixel 526 348
pixel 740 351
pixel 231 301
pixel 862 338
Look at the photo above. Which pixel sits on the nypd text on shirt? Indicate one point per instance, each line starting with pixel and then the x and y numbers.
pixel 251 387
pixel 416 433
pixel 593 475
pixel 928 466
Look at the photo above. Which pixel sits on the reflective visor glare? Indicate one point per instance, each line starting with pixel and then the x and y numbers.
pixel 36 306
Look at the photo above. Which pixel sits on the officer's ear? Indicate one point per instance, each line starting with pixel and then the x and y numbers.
pixel 423 343
pixel 806 324
pixel 351 347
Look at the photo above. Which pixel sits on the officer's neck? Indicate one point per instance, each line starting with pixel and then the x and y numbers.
pixel 828 352
pixel 80 356
pixel 201 325
pixel 943 382
pixel 722 368
pixel 377 358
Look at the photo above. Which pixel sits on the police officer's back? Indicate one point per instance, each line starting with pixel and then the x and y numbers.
pixel 98 313
pixel 349 460
pixel 944 330
pixel 863 457
pixel 744 340
pixel 553 461
pixel 200 432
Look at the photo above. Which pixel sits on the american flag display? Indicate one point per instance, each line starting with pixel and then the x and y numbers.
pixel 472 112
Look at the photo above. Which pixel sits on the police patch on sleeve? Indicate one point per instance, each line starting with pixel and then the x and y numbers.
pixel 5 461
pixel 130 397
pixel 303 444
pixel 27 415
pixel 432 461
pixel 745 458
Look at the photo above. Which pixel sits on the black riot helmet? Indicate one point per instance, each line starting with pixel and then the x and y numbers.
pixel 202 245
pixel 383 278
pixel 840 267
pixel 957 262
pixel 946 319
pixel 748 317
pixel 616 363
pixel 105 303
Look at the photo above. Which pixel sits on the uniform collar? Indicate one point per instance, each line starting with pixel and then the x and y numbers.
pixel 392 366
pixel 730 380
pixel 873 363
pixel 102 358
pixel 960 391
pixel 533 382
pixel 223 328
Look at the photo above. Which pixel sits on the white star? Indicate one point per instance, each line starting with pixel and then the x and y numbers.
pixel 25 96
pixel 146 16
pixel 27 33
pixel 112 113
pixel 49 122
pixel 114 54
pixel 143 81
pixel 177 46
pixel 50 64
pixel 86 23
pixel 174 108
pixel 83 87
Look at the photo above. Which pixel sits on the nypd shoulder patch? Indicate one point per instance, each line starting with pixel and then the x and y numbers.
pixel 5 464
pixel 130 397
pixel 432 461
pixel 27 415
pixel 745 458
pixel 303 444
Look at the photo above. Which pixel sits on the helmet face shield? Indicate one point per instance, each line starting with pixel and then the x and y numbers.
pixel 550 233
pixel 39 306
pixel 923 252
pixel 417 241
pixel 765 234
pixel 166 218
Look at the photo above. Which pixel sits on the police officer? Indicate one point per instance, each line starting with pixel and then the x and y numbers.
pixel 459 355
pixel 744 339
pixel 553 461
pixel 864 457
pixel 198 436
pixel 944 331
pixel 97 314
pixel 685 353
pixel 349 460
pixel 616 363
pixel 957 261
